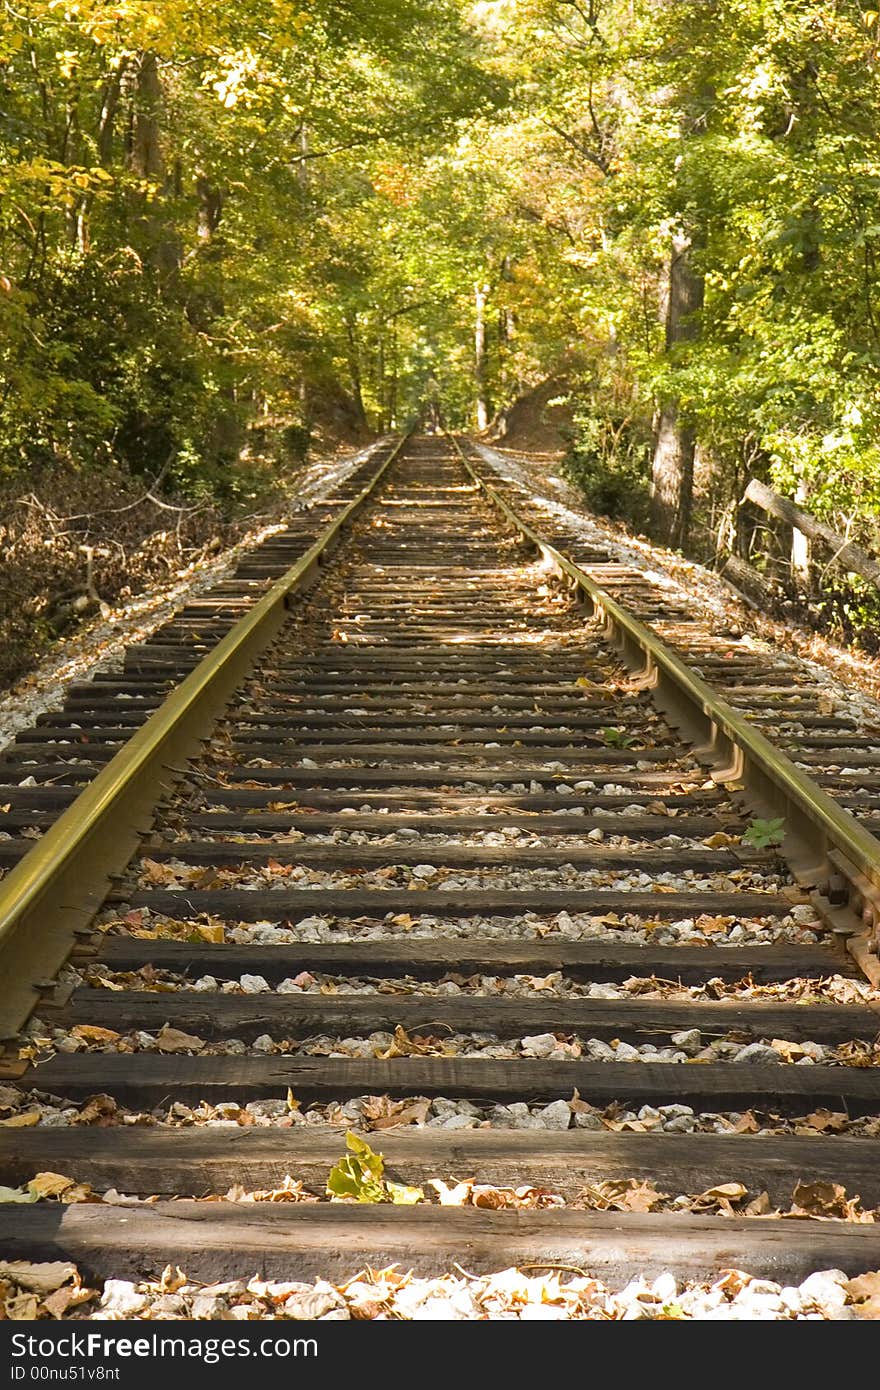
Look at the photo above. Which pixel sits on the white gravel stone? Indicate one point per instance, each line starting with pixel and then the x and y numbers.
pixel 460 1122
pixel 255 984
pixel 556 1115
pixel 825 1289
pixel 758 1053
pixel 121 1297
pixel 539 1045
pixel 689 1041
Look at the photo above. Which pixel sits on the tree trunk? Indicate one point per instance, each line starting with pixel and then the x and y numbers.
pixel 481 357
pixel 354 369
pixel 210 209
pixel 672 477
pixel 845 553
pixel 672 471
pixel 146 148
pixel 800 548
pixel 392 381
pixel 147 161
pixel 380 381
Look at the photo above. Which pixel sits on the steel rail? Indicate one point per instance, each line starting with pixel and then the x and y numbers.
pixel 53 893
pixel 825 845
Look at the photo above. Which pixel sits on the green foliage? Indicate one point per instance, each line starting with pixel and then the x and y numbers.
pixel 359 1177
pixel 188 236
pixel 762 834
pixel 617 738
pixel 608 459
pixel 221 221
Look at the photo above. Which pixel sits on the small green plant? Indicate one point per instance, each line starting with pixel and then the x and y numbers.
pixel 617 738
pixel 359 1177
pixel 761 834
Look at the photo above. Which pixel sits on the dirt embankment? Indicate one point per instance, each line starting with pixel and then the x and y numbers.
pixel 538 422
pixel 72 542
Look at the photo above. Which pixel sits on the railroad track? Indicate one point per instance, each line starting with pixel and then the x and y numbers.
pixel 442 845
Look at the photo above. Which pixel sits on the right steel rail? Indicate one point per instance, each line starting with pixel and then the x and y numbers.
pixel 826 846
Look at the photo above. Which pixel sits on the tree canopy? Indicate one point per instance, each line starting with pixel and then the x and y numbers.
pixel 215 214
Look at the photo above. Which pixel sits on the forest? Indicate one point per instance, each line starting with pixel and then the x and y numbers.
pixel 230 234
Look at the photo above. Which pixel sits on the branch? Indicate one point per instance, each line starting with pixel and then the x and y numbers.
pixel 584 151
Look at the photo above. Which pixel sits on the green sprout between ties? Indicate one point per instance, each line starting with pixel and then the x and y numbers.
pixel 762 834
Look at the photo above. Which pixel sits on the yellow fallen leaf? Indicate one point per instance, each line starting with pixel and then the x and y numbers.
pixel 49 1184
pixel 22 1121
pixel 88 1032
pixel 214 934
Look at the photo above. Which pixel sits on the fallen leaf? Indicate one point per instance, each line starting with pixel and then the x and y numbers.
pixel 173 1278
pixel 88 1032
pixel 24 1120
pixel 823 1120
pixel 402 1195
pixel 759 1206
pixel 173 1040
pixel 726 1191
pixel 865 1288
pixel 215 934
pixel 96 1109
pixel 827 1199
pixel 49 1184
pixel 628 1194
pixel 456 1196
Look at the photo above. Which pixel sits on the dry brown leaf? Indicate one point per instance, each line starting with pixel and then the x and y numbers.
pixel 50 1184
pixel 578 1106
pixel 710 925
pixel 746 1124
pixel 725 1191
pixel 41 1279
pixel 161 874
pixel 628 1194
pixel 856 1054
pixel 514 1198
pixel 88 1032
pixel 96 1111
pixel 173 1040
pixel 173 1278
pixel 760 1206
pixel 732 1282
pixel 865 1287
pixel 71 1296
pixel 26 1308
pixel 405 1046
pixel 384 1113
pixel 827 1199
pixel 823 1120
pixel 792 1052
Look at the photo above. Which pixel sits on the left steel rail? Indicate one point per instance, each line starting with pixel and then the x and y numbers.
pixel 53 893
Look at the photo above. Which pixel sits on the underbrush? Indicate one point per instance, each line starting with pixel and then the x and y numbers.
pixel 608 461
pixel 74 541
